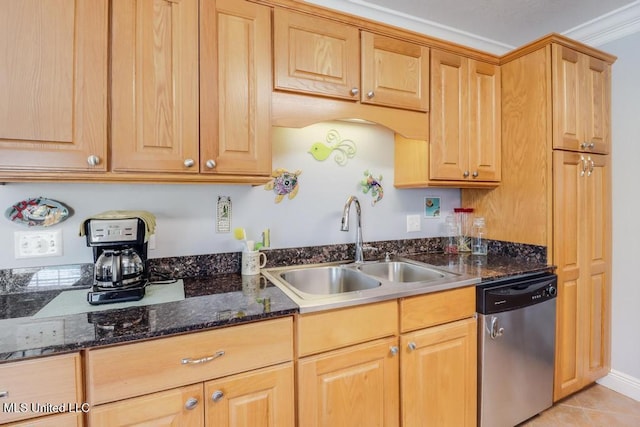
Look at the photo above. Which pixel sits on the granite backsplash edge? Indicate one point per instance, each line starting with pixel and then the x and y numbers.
pixel 30 279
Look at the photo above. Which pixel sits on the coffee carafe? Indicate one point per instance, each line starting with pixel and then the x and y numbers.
pixel 119 268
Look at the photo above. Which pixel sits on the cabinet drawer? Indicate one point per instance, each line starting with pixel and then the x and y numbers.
pixel 328 330
pixel 30 384
pixel 134 369
pixel 437 308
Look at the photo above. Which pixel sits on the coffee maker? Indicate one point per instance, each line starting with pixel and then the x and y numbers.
pixel 120 257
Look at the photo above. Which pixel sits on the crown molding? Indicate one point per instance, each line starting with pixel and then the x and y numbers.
pixel 611 26
pixel 367 10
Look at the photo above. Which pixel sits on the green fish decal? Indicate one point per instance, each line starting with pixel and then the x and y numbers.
pixel 344 149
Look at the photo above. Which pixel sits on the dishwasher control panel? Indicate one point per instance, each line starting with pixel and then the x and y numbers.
pixel 513 293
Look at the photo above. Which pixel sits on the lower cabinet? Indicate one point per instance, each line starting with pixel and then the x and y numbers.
pixel 240 376
pixel 422 373
pixel 355 383
pixel 260 398
pixel 61 420
pixel 439 375
pixel 177 407
pixel 36 392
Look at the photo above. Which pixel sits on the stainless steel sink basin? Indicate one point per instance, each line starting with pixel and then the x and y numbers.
pixel 328 280
pixel 400 271
pixel 315 287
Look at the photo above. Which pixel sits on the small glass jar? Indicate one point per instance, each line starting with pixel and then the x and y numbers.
pixel 452 232
pixel 479 237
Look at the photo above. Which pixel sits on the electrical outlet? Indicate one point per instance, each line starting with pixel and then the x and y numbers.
pixel 41 334
pixel 413 223
pixel 37 244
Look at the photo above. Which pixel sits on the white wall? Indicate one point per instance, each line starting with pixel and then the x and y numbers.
pixel 186 213
pixel 625 375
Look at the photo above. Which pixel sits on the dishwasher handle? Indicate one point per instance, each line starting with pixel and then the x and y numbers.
pixel 495 330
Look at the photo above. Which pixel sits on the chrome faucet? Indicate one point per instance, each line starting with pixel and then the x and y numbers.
pixel 345 225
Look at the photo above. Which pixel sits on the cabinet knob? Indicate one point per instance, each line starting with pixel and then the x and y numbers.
pixel 394 350
pixel 466 174
pixel 370 94
pixel 189 163
pixel 475 174
pixel 191 403
pixel 355 91
pixel 211 164
pixel 591 145
pixel 93 160
pixel 412 346
pixel 217 395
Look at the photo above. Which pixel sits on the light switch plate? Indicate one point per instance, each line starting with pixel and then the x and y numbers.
pixel 37 244
pixel 413 223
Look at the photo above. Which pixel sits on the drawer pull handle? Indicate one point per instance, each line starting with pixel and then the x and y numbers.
pixel 191 403
pixel 189 361
pixel 217 395
pixel 4 394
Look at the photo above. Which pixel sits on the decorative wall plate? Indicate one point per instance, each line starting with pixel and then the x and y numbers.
pixel 37 212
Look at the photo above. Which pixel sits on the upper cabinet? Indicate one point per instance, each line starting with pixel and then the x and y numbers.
pixel 189 91
pixel 191 88
pixel 581 101
pixel 53 114
pixel 154 86
pixel 319 56
pixel 464 147
pixel 465 119
pixel 235 88
pixel 394 73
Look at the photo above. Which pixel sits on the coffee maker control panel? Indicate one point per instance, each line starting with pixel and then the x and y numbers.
pixel 103 231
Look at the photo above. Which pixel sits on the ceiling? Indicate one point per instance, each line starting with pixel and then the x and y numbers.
pixel 501 25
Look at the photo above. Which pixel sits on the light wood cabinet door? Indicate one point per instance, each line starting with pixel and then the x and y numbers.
pixel 316 55
pixel 50 380
pixel 465 119
pixel 172 408
pixel 581 101
pixel 485 133
pixel 598 259
pixel 236 86
pixel 582 254
pixel 439 375
pixel 357 384
pixel 449 147
pixel 61 420
pixel 53 114
pixel 261 398
pixel 394 73
pixel 154 86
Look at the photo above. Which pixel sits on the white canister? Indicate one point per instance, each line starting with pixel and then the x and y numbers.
pixel 252 262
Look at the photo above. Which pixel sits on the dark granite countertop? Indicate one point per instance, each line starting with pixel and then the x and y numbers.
pixel 211 302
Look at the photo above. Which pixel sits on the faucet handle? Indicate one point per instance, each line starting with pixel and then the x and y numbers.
pixel 387 256
pixel 367 247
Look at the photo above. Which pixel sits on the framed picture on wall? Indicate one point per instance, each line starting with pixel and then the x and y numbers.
pixel 432 207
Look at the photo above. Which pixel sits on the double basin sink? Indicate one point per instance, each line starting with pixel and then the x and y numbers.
pixel 330 285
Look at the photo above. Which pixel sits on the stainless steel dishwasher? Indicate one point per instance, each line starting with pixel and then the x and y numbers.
pixel 516 348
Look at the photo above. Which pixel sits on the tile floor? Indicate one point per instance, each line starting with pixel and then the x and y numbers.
pixel 595 406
